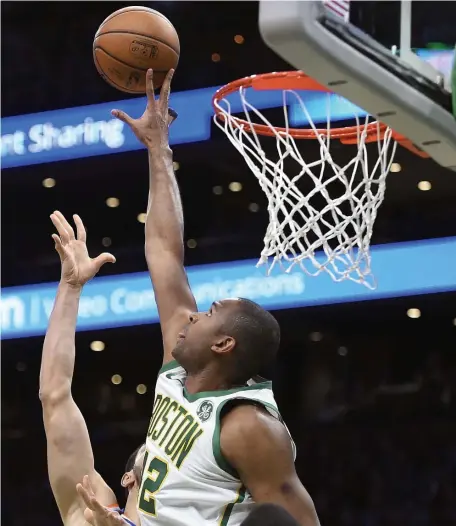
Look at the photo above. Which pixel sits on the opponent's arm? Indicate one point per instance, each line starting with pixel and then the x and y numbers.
pixel 259 448
pixel 69 451
pixel 164 229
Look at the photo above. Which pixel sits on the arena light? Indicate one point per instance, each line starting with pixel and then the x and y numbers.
pixel 116 379
pixel 106 241
pixel 414 313
pixel 141 217
pixel 396 167
pixel 97 346
pixel 316 336
pixel 235 186
pixel 217 190
pixel 141 389
pixel 253 207
pixel 21 367
pixel 342 351
pixel 215 57
pixel 176 166
pixel 49 182
pixel 239 39
pixel 191 243
pixel 112 202
pixel 424 186
pixel 454 322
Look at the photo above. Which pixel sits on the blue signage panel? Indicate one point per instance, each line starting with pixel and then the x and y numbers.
pixel 90 130
pixel 401 270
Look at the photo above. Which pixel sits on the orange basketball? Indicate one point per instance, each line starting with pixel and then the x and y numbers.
pixel 129 42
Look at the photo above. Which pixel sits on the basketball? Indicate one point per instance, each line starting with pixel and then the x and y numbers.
pixel 129 42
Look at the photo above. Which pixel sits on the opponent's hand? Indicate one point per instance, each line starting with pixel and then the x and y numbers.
pixel 77 266
pixel 95 513
pixel 152 127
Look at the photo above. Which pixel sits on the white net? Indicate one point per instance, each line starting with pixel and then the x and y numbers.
pixel 313 205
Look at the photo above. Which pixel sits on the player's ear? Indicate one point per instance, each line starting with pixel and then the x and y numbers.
pixel 128 479
pixel 224 344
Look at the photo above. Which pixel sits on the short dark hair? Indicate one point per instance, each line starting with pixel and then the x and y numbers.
pixel 257 336
pixel 131 459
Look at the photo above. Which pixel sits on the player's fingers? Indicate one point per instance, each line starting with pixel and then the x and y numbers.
pixel 58 245
pixel 150 90
pixel 65 223
pixel 102 259
pixel 98 508
pixel 122 116
pixel 88 516
pixel 84 494
pixel 80 229
pixel 88 486
pixel 165 91
pixel 115 518
pixel 64 235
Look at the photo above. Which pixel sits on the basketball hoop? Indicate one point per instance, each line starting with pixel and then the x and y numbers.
pixel 350 195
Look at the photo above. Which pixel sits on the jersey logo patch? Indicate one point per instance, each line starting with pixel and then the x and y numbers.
pixel 204 410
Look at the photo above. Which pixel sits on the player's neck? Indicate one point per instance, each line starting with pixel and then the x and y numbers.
pixel 207 380
pixel 130 510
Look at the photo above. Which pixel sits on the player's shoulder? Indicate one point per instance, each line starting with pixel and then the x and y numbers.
pixel 249 419
pixel 251 428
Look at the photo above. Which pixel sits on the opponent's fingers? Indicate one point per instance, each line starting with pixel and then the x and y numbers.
pixel 102 259
pixel 122 116
pixel 63 233
pixel 87 485
pixel 65 223
pixel 84 494
pixel 150 89
pixel 88 516
pixel 115 518
pixel 58 245
pixel 80 228
pixel 165 91
pixel 98 508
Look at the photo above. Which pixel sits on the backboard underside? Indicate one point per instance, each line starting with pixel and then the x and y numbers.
pixel 340 56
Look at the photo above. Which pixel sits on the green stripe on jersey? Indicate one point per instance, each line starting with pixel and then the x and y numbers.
pixel 191 397
pixel 229 507
pixel 173 364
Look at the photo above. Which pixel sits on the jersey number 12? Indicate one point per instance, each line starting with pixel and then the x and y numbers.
pixel 156 471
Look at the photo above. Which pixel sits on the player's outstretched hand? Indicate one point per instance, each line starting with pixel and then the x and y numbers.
pixel 77 266
pixel 95 513
pixel 152 127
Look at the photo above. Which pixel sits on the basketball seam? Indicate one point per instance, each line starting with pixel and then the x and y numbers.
pixel 125 10
pixel 126 63
pixel 111 82
pixel 139 35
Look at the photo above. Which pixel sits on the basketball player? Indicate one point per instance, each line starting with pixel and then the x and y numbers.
pixel 262 515
pixel 69 450
pixel 216 443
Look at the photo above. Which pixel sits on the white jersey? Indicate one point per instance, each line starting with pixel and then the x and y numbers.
pixel 186 480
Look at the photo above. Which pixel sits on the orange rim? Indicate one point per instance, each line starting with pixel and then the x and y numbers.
pixel 298 80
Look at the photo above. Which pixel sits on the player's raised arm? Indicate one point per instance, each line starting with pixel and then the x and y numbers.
pixel 69 450
pixel 164 223
pixel 259 448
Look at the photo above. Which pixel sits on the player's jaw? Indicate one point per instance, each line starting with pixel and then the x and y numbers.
pixel 194 343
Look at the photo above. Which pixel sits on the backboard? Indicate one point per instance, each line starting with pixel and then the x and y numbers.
pixel 393 83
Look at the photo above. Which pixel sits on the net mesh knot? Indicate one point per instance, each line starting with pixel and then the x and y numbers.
pixel 321 213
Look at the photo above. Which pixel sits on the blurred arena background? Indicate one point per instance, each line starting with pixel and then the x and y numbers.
pixel 368 388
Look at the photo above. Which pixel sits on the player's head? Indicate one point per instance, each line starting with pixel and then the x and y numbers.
pixel 133 469
pixel 238 333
